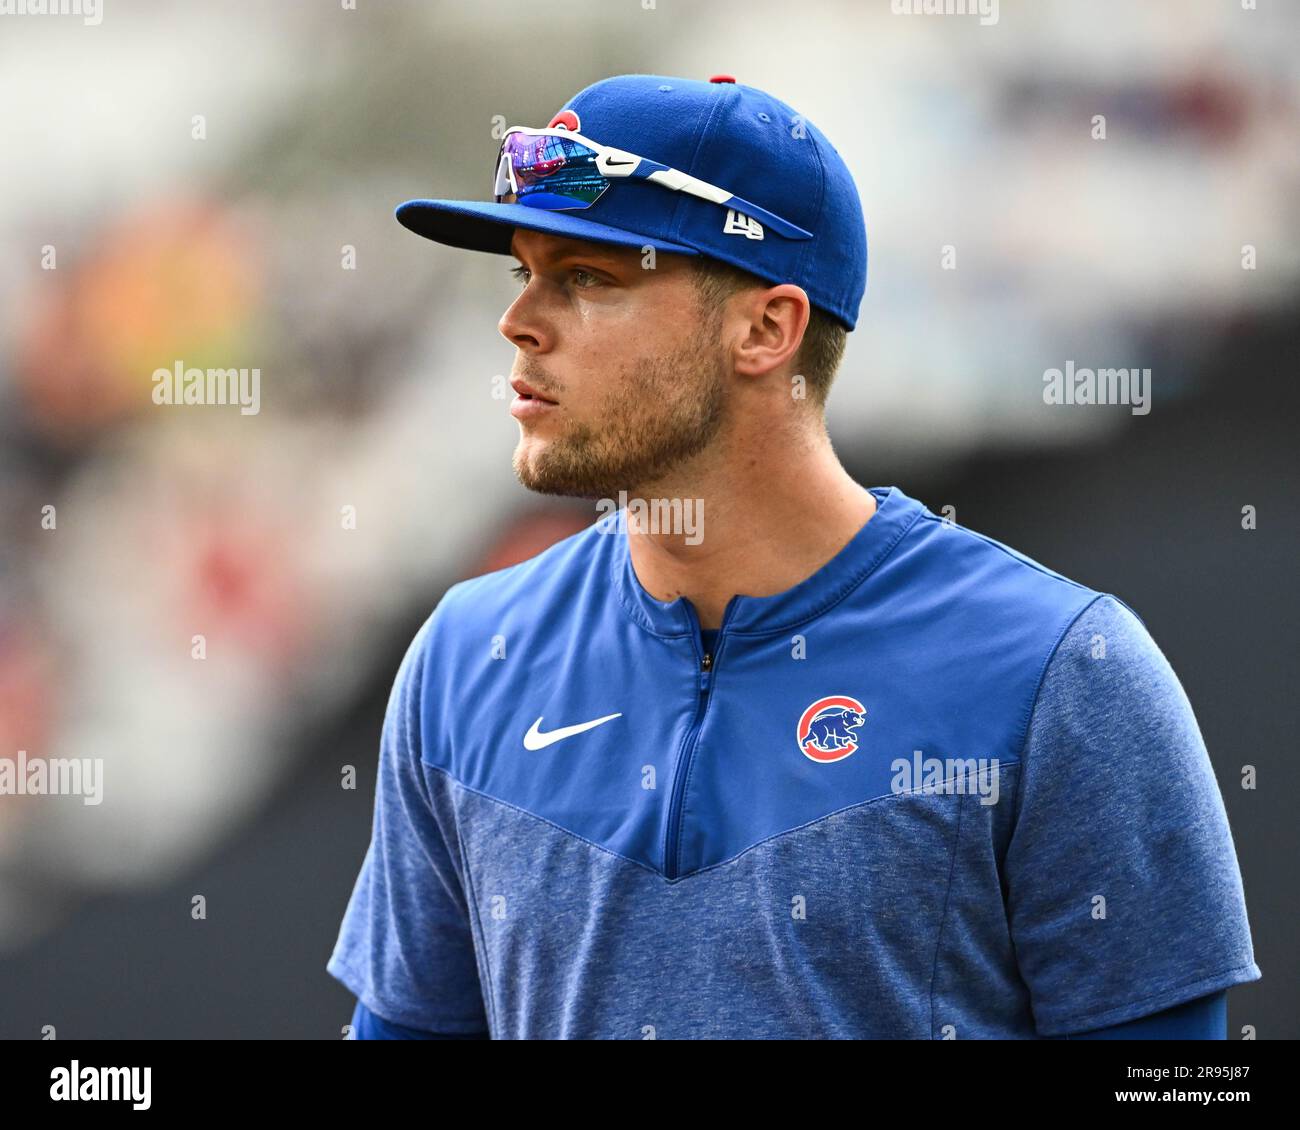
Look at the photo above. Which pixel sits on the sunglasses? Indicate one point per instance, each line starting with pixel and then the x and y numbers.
pixel 558 170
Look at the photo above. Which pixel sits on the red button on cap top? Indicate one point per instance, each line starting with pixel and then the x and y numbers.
pixel 722 78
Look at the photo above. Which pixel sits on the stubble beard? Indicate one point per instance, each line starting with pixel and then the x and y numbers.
pixel 665 411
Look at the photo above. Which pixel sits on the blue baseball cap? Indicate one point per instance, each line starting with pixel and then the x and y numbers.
pixel 804 221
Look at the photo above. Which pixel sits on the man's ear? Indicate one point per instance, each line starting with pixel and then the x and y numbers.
pixel 777 320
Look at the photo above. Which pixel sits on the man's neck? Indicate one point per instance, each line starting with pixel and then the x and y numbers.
pixel 768 522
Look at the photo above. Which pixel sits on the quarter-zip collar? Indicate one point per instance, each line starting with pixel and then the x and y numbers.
pixel 758 615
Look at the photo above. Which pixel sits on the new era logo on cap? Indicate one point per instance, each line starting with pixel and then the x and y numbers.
pixel 742 225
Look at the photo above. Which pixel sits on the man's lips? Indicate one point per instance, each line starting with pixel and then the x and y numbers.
pixel 529 403
pixel 528 392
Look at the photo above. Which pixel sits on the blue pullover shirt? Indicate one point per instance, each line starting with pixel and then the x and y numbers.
pixel 935 790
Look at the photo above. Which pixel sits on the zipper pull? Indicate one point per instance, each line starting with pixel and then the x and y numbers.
pixel 706 664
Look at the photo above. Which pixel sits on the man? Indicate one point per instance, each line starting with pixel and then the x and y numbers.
pixel 761 752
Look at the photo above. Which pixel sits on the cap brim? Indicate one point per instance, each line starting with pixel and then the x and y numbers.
pixel 486 226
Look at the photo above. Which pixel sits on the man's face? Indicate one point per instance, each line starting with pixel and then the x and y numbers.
pixel 631 363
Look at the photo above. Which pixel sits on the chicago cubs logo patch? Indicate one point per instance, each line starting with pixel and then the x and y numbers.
pixel 828 728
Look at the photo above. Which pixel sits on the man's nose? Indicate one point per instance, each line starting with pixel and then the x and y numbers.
pixel 524 324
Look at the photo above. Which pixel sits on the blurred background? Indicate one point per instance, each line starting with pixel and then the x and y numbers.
pixel 214 603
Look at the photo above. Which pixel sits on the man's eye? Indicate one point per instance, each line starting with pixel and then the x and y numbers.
pixel 584 280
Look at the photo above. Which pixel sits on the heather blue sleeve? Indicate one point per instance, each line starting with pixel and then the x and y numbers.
pixel 367 1026
pixel 1123 892
pixel 405 947
pixel 1205 1018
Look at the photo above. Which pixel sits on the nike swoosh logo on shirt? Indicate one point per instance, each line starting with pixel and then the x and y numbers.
pixel 535 739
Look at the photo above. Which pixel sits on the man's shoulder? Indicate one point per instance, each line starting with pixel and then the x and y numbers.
pixel 979 577
pixel 1109 658
pixel 1020 566
pixel 1003 610
pixel 1095 655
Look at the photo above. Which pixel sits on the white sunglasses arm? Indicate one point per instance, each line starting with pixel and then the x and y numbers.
pixel 682 182
pixel 620 163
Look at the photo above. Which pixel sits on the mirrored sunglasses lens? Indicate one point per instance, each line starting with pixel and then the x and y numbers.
pixel 551 172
